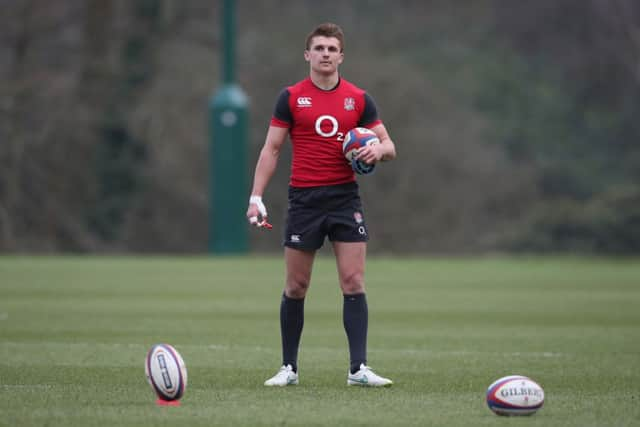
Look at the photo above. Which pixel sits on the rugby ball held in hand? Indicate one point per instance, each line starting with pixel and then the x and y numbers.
pixel 166 372
pixel 515 395
pixel 355 139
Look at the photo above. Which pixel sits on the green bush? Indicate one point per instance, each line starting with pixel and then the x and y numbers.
pixel 607 223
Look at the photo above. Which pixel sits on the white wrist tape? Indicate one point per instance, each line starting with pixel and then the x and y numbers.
pixel 257 200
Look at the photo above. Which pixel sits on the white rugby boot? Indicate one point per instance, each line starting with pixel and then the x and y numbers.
pixel 285 376
pixel 365 377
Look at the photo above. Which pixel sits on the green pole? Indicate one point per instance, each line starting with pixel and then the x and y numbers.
pixel 228 124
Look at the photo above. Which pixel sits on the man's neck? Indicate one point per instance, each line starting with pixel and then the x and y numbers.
pixel 325 82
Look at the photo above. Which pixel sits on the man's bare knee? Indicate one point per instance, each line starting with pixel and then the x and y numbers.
pixel 296 288
pixel 352 283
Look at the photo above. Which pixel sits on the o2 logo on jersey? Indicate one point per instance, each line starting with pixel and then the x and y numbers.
pixel 331 131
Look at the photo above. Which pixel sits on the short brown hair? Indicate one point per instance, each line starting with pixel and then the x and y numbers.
pixel 327 29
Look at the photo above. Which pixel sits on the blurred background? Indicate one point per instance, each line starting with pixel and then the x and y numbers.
pixel 516 123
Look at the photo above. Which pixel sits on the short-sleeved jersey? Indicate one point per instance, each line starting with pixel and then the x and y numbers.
pixel 318 121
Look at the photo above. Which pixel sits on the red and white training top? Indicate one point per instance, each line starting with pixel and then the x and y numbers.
pixel 318 121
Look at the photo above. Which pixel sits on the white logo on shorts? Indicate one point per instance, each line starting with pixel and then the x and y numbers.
pixel 295 238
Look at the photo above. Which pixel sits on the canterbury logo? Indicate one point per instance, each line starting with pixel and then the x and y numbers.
pixel 304 101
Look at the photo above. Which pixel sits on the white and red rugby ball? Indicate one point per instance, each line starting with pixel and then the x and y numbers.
pixel 166 372
pixel 357 138
pixel 515 395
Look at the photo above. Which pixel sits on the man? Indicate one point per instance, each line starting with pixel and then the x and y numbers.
pixel 323 196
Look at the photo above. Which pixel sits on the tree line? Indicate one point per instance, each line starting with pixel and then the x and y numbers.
pixel 515 123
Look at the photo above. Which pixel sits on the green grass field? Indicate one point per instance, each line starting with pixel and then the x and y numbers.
pixel 74 332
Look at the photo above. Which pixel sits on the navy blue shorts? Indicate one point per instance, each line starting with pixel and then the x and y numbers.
pixel 333 211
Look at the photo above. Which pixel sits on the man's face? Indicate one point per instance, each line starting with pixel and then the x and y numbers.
pixel 324 54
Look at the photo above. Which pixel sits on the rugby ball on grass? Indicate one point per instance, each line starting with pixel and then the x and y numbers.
pixel 166 372
pixel 515 395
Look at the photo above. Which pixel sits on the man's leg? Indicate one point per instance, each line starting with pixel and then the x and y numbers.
pixel 299 265
pixel 350 260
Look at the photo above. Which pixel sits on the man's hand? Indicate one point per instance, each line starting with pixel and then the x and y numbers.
pixel 370 154
pixel 257 213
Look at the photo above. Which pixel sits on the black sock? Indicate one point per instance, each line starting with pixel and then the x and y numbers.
pixel 291 322
pixel 355 317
